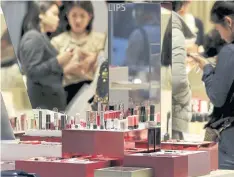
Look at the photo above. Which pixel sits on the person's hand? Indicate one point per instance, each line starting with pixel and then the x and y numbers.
pixel 199 60
pixel 76 69
pixel 64 57
pixel 190 64
pixel 88 61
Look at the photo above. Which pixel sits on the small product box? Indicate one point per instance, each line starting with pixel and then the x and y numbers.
pixel 163 164
pixel 210 147
pixel 124 172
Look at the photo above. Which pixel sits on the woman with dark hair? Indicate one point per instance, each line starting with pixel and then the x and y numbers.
pixel 219 83
pixel 83 39
pixel 39 60
pixel 213 43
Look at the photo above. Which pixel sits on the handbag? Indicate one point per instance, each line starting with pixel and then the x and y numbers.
pixel 215 126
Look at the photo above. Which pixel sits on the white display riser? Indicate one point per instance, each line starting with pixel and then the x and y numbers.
pixel 15 151
pixel 44 133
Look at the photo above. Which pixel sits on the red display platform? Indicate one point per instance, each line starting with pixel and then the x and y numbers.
pixel 40 138
pixel 61 168
pixel 106 143
pixel 210 147
pixel 162 165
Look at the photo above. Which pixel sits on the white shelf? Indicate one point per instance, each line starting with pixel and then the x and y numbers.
pixel 132 86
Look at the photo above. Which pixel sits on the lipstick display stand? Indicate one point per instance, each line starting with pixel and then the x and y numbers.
pixel 107 143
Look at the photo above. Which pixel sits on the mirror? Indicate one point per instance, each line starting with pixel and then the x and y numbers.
pixel 134 72
pixel 46 86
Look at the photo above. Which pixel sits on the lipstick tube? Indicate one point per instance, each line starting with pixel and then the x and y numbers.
pixel 40 120
pixel 130 122
pixel 48 121
pixel 56 121
pixel 88 119
pixel 136 121
pixel 116 124
pixel 63 122
pixel 102 120
pixel 95 115
pixel 152 112
pixel 23 122
pixel 143 114
pixel 108 124
pixel 124 124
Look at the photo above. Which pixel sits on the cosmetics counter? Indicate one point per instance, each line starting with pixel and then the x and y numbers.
pixel 106 143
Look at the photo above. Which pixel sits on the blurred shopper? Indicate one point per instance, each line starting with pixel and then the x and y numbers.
pixel 219 83
pixel 138 53
pixel 84 40
pixel 40 61
pixel 213 43
pixel 194 23
pixel 181 92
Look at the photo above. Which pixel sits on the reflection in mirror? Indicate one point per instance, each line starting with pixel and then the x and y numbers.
pixel 166 88
pixel 59 57
pixel 134 50
pixel 13 91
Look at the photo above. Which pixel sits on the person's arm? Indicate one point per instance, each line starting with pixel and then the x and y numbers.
pixel 218 80
pixel 180 83
pixel 55 41
pixel 31 56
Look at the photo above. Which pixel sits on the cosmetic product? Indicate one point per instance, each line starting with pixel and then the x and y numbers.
pixel 108 124
pixel 116 124
pixel 102 120
pixel 121 108
pixel 111 107
pixel 130 122
pixel 63 122
pixel 167 136
pixel 32 121
pixel 48 121
pixel 152 112
pixel 116 106
pixel 95 115
pixel 136 121
pixel 40 120
pixel 55 120
pixel 23 122
pixel 143 114
pixel 68 122
pixel 124 124
pixel 77 118
pixel 88 114
pixel 17 124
